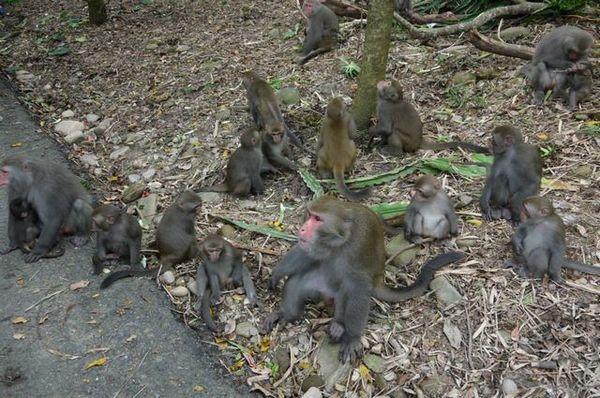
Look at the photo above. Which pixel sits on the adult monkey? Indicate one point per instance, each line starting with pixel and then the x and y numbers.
pixel 561 64
pixel 516 173
pixel 340 255
pixel 57 197
pixel 539 242
pixel 399 124
pixel 321 32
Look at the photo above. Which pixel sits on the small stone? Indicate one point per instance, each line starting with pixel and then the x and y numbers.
pixel 464 78
pixel 182 48
pixel 509 387
pixel 133 178
pixel 374 363
pixel 282 358
pixel 274 33
pixel 74 137
pixel 289 96
pixel 133 192
pixel 24 76
pixel 154 185
pixel 227 231
pixel 312 392
pixel 462 243
pixel 246 329
pixel 581 116
pixel 132 138
pixel 463 201
pixel 436 385
pixel 89 160
pixel 92 118
pixel 167 277
pixel 312 381
pixel 180 291
pixel 584 171
pixel 152 46
pixel 514 32
pixel 66 127
pixel 444 291
pixel 223 113
pixel 147 206
pixel 192 286
pixel 148 174
pixel 117 153
pixel 210 197
pixel 406 256
pixel 67 114
pixel 103 126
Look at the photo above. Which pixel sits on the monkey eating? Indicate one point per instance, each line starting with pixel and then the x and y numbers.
pixel 340 255
pixel 560 63
pixel 399 124
pixel 321 32
pixel 430 213
pixel 118 236
pixel 516 173
pixel 175 238
pixel 221 265
pixel 55 195
pixel 243 173
pixel 539 242
pixel 336 152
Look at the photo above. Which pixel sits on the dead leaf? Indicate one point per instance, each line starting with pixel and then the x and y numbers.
pixel 42 320
pixel 96 362
pixel 453 334
pixel 475 222
pixel 79 285
pixel 363 371
pixel 265 344
pixel 558 185
pixel 131 338
pixel 20 281
pixel 18 320
pixel 18 336
pixel 198 388
pixel 16 145
pixel 515 334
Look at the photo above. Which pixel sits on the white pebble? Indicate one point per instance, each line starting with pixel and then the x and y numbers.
pixel 180 291
pixel 167 277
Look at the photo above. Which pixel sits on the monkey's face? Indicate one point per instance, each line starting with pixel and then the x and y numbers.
pixel 100 222
pixel 4 176
pixel 308 8
pixel 389 91
pixel 325 229
pixel 276 136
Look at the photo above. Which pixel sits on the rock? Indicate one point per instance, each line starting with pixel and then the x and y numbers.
pixel 312 381
pixel 463 78
pixel 67 114
pixel 487 73
pixel 581 116
pixel 117 153
pixel 330 368
pixel 462 243
pixel 66 127
pixel 583 171
pixel 227 231
pixel 167 277
pixel 154 185
pixel 312 392
pixel 192 286
pixel 282 358
pixel 74 137
pixel 133 178
pixel 180 291
pixel 133 192
pixel 289 96
pixel 513 33
pixel 148 174
pixel 406 256
pixel 246 329
pixel 132 138
pixel 89 160
pixel 210 197
pixel 444 291
pixel 24 76
pixel 274 33
pixel 223 113
pixel 509 387
pixel 182 48
pixel 180 281
pixel 103 126
pixel 463 201
pixel 375 363
pixel 436 385
pixel 92 118
pixel 147 206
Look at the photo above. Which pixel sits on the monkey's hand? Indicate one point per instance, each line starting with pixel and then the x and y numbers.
pixel 32 257
pixel 272 320
pixel 351 350
pixel 215 299
pixel 336 331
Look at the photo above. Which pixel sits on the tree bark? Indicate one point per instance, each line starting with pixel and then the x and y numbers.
pixel 374 60
pixel 97 11
pixel 497 47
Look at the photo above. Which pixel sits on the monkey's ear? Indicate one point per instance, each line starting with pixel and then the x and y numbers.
pixel 545 211
pixel 26 165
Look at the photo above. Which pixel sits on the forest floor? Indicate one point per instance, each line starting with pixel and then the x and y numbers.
pixel 165 78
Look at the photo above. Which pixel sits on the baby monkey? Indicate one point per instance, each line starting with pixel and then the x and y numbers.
pixel 221 265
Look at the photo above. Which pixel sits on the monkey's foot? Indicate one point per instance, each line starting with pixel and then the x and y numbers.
pixel 351 350
pixel 55 252
pixel 79 241
pixel 272 320
pixel 336 330
pixel 31 257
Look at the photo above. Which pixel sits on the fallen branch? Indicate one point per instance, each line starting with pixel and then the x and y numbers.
pixel 484 17
pixel 419 19
pixel 485 43
pixel 345 10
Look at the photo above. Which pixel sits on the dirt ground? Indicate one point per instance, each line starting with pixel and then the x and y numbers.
pixel 168 75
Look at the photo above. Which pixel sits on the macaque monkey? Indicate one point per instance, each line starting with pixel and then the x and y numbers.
pixel 516 173
pixel 430 213
pixel 561 64
pixel 118 236
pixel 340 255
pixel 27 227
pixel 336 152
pixel 57 198
pixel 244 168
pixel 175 238
pixel 539 242
pixel 400 127
pixel 321 32
pixel 221 265
pixel 268 118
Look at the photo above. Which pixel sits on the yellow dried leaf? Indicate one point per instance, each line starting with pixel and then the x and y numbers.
pixel 113 178
pixel 20 281
pixel 363 371
pixel 92 322
pixel 558 185
pixel 265 344
pixel 225 153
pixel 16 145
pixel 237 366
pixel 198 388
pixel 96 362
pixel 18 319
pixel 131 338
pixel 475 222
pixel 18 336
pixel 543 136
pixel 79 285
pixel 42 320
pixel 221 343
pixel 304 364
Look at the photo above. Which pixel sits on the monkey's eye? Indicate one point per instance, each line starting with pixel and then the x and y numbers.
pixel 317 218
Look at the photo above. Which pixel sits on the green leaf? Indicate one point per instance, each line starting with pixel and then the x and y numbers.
pixel 260 229
pixel 350 68
pixel 60 51
pixel 378 179
pixel 311 182
pixel 147 2
pixel 390 210
pixel 481 158
pixel 275 83
pixel 442 164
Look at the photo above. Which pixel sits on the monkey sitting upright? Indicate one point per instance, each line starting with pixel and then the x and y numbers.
pixel 539 242
pixel 321 32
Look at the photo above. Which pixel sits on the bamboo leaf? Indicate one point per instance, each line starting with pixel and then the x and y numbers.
pixel 442 164
pixel 378 179
pixel 390 210
pixel 260 229
pixel 311 182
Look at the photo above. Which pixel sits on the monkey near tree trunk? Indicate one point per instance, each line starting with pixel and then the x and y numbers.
pixel 340 255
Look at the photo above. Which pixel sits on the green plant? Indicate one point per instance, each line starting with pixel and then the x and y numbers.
pixel 275 83
pixel 292 32
pixel 350 69
pixel 457 95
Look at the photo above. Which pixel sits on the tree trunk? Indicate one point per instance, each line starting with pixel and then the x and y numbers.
pixel 374 60
pixel 97 11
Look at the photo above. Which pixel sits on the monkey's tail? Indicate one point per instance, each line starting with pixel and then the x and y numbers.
pixel 420 286
pixel 473 148
pixel 115 276
pixel 338 175
pixel 581 267
pixel 205 312
pixel 215 188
